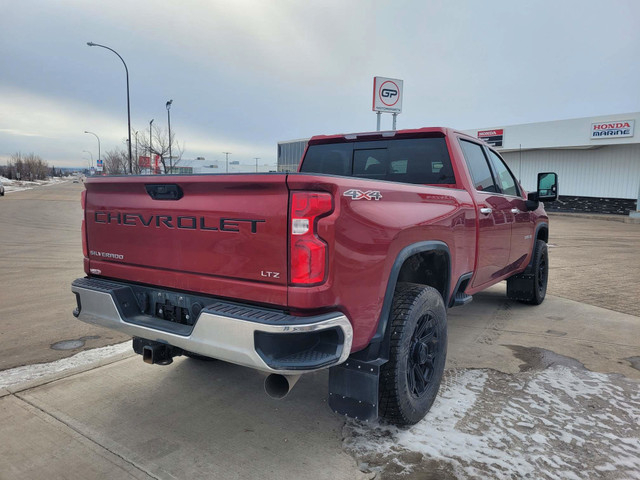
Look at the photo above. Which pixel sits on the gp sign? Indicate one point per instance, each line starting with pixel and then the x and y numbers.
pixel 615 128
pixel 387 95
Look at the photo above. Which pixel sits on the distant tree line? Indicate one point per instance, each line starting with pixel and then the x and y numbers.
pixel 26 167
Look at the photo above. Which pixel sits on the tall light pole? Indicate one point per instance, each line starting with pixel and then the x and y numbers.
pixel 168 105
pixel 150 139
pixel 256 159
pixel 137 158
pixel 227 155
pixel 91 44
pixel 98 141
pixel 91 161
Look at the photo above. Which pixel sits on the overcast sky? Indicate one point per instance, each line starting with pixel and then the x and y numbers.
pixel 245 74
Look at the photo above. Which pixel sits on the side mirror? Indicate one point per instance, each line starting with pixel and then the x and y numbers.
pixel 547 187
pixel 547 190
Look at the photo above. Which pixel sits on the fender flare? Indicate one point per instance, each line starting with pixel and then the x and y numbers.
pixel 379 345
pixel 540 226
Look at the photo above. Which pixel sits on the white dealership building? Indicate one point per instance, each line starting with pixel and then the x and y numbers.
pixel 597 158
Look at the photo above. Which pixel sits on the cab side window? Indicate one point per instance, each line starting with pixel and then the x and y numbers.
pixel 478 167
pixel 506 182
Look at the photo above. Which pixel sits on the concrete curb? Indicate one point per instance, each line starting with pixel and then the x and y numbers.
pixel 597 216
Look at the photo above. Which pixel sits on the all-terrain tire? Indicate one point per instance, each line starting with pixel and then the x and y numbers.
pixel 531 286
pixel 410 380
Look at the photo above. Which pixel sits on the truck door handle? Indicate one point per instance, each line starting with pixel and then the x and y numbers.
pixel 164 191
pixel 515 211
pixel 485 210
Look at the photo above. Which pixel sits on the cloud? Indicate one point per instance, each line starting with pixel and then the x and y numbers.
pixel 245 74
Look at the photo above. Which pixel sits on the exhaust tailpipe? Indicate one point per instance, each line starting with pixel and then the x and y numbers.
pixel 278 386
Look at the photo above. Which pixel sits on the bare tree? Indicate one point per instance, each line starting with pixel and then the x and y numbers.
pixel 27 167
pixel 160 147
pixel 116 162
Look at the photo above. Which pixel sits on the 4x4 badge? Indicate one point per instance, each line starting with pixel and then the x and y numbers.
pixel 360 195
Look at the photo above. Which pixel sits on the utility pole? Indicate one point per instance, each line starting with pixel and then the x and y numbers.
pixel 227 156
pixel 256 159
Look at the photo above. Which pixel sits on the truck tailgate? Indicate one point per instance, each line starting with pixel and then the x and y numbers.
pixel 188 228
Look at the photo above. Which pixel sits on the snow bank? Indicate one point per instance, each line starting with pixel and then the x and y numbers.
pixel 559 423
pixel 21 185
pixel 29 373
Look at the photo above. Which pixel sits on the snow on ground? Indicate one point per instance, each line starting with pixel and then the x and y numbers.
pixel 21 185
pixel 559 423
pixel 29 373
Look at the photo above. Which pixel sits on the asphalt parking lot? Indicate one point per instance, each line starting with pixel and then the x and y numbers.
pixel 529 392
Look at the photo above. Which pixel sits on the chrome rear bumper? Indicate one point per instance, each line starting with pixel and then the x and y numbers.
pixel 267 340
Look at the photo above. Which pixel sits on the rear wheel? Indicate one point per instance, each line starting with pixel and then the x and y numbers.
pixel 531 286
pixel 410 380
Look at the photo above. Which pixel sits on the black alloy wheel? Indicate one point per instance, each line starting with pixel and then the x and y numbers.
pixel 423 352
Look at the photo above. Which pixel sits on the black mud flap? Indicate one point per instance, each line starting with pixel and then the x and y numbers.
pixel 353 388
pixel 521 287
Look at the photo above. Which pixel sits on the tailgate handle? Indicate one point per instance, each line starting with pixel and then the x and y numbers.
pixel 164 191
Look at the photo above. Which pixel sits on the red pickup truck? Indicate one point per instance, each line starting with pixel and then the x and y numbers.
pixel 349 264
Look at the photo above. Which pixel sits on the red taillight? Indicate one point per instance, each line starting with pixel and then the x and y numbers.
pixel 308 251
pixel 83 201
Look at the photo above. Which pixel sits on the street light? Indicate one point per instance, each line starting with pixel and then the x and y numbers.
pixel 91 44
pixel 150 139
pixel 98 142
pixel 227 155
pixel 256 159
pixel 168 105
pixel 137 158
pixel 87 151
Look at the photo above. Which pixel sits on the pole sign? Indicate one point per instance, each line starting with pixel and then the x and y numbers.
pixel 99 165
pixel 492 137
pixel 387 95
pixel 615 128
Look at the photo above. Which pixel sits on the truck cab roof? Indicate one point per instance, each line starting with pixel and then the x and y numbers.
pixel 386 134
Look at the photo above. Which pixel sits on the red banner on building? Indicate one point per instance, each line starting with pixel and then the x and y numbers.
pixel 154 166
pixel 492 137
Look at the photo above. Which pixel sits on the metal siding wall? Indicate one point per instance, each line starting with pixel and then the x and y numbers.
pixel 608 172
pixel 289 155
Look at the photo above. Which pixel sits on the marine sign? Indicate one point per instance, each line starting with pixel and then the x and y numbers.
pixel 616 128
